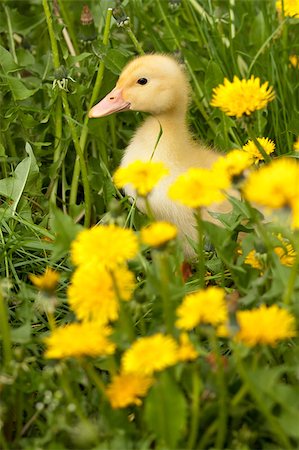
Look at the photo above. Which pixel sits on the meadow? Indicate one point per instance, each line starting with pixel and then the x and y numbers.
pixel 108 340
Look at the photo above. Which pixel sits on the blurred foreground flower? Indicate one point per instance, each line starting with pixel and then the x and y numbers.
pixel 158 234
pixel 142 175
pixel 109 245
pixel 296 145
pixel 150 354
pixel 252 149
pixel 294 60
pixel 79 339
pixel 46 282
pixel 275 186
pixel 253 260
pixel 265 325
pixel 186 350
pixel 205 306
pixel 242 97
pixel 290 7
pixel 285 252
pixel 233 164
pixel 126 389
pixel 93 292
pixel 198 187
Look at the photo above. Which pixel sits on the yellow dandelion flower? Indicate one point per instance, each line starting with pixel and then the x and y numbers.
pixel 294 60
pixel 105 244
pixel 253 260
pixel 79 339
pixel 93 292
pixel 150 354
pixel 46 282
pixel 275 185
pixel 252 149
pixel 198 188
pixel 290 7
pixel 296 145
pixel 265 325
pixel 205 306
pixel 186 350
pixel 158 234
pixel 285 252
pixel 142 175
pixel 126 389
pixel 242 97
pixel 233 164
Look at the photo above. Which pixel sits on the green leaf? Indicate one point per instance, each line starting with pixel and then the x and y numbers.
pixel 18 89
pixel 6 61
pixel 22 334
pixel 115 61
pixel 25 178
pixel 166 411
pixel 65 230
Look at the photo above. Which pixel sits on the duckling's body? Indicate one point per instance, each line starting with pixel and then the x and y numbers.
pixel 165 95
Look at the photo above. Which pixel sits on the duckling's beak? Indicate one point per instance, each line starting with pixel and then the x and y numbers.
pixel 113 102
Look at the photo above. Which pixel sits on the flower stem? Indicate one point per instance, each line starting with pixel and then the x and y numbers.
pixel 255 394
pixel 168 311
pixel 91 372
pixel 80 158
pixel 54 46
pixel 195 406
pixel 134 40
pixel 94 96
pixel 5 332
pixel 222 393
pixel 200 247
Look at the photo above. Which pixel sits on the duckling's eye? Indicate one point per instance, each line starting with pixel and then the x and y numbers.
pixel 142 81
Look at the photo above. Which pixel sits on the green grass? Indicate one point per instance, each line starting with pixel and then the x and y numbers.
pixel 56 169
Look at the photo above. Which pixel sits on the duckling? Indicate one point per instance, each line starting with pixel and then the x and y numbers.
pixel 157 84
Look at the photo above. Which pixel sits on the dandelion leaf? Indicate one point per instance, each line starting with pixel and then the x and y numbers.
pixel 165 411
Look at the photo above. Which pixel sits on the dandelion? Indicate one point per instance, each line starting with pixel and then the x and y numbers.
pixel 46 282
pixel 285 252
pixel 294 60
pixel 205 306
pixel 242 97
pixel 105 244
pixel 265 325
pixel 296 145
pixel 276 186
pixel 142 175
pixel 126 389
pixel 150 354
pixel 253 260
pixel 79 339
pixel 253 150
pixel 198 188
pixel 290 7
pixel 158 234
pixel 93 292
pixel 233 164
pixel 186 350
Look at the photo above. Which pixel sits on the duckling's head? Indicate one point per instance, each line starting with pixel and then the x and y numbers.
pixel 156 84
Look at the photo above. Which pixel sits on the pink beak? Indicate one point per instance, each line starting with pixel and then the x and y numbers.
pixel 113 102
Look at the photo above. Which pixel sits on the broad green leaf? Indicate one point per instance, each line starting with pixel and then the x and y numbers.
pixel 22 334
pixel 166 411
pixel 115 61
pixel 65 230
pixel 24 178
pixel 18 89
pixel 6 61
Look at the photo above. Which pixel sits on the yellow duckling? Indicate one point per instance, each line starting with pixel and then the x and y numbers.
pixel 158 85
